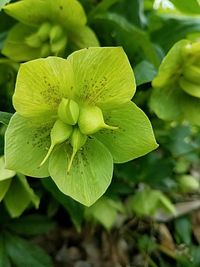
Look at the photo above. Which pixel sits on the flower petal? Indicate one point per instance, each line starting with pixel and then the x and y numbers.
pixel 166 102
pixel 26 144
pixel 103 76
pixel 133 139
pixel 40 86
pixel 29 12
pixel 68 13
pixel 90 174
pixel 15 47
pixel 5 173
pixel 82 37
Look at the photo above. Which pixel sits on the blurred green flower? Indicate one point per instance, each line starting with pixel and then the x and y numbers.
pixel 46 27
pixel 176 88
pixel 74 119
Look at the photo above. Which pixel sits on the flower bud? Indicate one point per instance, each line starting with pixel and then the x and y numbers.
pixel 188 183
pixel 91 120
pixel 68 111
pixel 33 40
pixel 45 50
pixel 56 33
pixel 59 45
pixel 44 31
pixel 77 140
pixel 59 133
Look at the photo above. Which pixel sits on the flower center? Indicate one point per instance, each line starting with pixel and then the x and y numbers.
pixel 74 124
pixel 49 38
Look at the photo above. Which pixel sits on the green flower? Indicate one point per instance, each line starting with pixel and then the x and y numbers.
pixel 46 27
pixel 176 93
pixel 74 119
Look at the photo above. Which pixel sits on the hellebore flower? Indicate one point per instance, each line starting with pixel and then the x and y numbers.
pixel 176 88
pixel 46 27
pixel 74 119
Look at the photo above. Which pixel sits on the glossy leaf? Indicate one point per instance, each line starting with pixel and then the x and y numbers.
pixel 19 196
pixel 24 253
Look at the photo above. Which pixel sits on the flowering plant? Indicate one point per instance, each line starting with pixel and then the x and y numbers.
pixel 74 119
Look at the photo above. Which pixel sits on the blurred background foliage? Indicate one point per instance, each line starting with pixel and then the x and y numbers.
pixel 150 215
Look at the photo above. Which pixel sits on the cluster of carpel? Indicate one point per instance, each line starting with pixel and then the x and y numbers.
pixel 75 124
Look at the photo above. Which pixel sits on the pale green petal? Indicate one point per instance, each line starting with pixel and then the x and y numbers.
pixel 191 109
pixel 15 47
pixel 103 76
pixel 82 37
pixel 4 186
pixel 90 174
pixel 166 102
pixel 29 12
pixel 40 86
pixel 5 173
pixel 26 144
pixel 19 196
pixel 133 139
pixel 68 13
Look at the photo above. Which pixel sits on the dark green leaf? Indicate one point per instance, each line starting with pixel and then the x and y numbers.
pixel 5 117
pixel 31 225
pixel 74 208
pixel 25 254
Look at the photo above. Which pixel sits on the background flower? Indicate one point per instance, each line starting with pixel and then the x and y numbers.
pixel 176 93
pixel 46 27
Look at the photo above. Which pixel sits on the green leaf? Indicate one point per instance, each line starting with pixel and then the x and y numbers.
pixel 188 7
pixel 82 37
pixel 15 47
pixel 144 72
pixel 4 186
pixel 4 260
pixel 138 36
pixel 5 173
pixel 5 117
pixel 103 76
pixel 90 174
pixel 133 139
pixel 19 196
pixel 74 208
pixel 24 253
pixel 31 225
pixel 104 211
pixel 183 230
pixel 27 140
pixel 148 201
pixel 41 84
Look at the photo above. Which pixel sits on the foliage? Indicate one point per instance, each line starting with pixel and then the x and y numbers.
pixel 88 90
